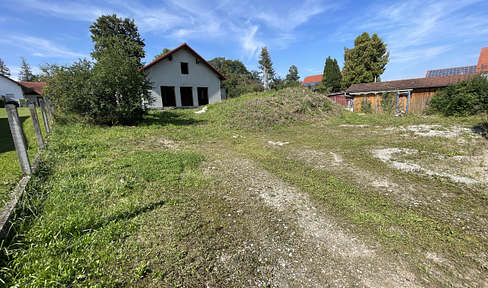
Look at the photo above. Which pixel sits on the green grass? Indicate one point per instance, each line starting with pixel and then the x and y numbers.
pixel 132 206
pixel 9 163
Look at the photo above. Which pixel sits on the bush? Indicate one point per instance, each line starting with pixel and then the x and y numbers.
pixel 366 107
pixel 468 97
pixel 112 91
pixel 387 103
pixel 2 103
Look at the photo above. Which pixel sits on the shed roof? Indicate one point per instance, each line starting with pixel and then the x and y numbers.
pixel 431 82
pixel 37 87
pixel 184 45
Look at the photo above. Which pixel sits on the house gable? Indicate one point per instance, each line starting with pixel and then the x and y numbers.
pixel 179 76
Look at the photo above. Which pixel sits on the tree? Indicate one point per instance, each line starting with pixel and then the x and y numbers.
pixel 25 73
pixel 239 80
pixel 111 91
pixel 332 77
pixel 292 78
pixel 109 29
pixel 165 50
pixel 366 61
pixel 4 69
pixel 266 65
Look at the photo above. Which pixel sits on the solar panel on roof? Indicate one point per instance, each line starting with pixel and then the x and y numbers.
pixel 452 71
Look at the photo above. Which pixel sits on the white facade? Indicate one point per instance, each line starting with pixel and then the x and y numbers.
pixel 168 72
pixel 9 89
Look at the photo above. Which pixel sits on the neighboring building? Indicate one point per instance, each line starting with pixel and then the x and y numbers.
pixel 182 78
pixel 30 91
pixel 313 81
pixel 483 60
pixel 411 94
pixel 33 91
pixel 10 89
pixel 482 66
pixel 342 98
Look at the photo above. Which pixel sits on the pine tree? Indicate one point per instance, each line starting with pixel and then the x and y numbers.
pixel 292 76
pixel 266 65
pixel 4 69
pixel 366 61
pixel 25 73
pixel 332 77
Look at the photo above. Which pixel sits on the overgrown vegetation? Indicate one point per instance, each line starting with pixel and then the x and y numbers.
pixel 273 109
pixel 387 103
pixel 468 97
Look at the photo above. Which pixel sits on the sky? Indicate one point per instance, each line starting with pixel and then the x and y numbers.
pixel 421 34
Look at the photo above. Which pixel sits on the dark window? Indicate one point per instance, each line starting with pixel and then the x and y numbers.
pixel 186 94
pixel 202 95
pixel 168 96
pixel 184 68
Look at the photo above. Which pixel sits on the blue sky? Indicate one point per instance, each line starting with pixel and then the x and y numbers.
pixel 421 34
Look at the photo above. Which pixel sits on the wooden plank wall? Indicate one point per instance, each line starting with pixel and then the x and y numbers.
pixel 418 101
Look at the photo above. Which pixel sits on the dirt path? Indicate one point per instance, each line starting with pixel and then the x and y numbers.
pixel 308 248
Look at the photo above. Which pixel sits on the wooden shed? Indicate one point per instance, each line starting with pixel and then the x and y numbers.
pixel 341 98
pixel 411 95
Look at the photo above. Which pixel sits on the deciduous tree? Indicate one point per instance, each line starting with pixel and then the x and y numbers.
pixel 366 61
pixel 108 29
pixel 332 77
pixel 165 50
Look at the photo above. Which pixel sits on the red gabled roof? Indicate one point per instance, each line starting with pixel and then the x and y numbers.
pixel 24 87
pixel 184 45
pixel 430 82
pixel 34 86
pixel 483 60
pixel 312 79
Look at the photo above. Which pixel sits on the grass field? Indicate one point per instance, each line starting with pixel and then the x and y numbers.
pixel 275 190
pixel 9 163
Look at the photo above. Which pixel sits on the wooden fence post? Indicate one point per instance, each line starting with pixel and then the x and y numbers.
pixel 44 115
pixel 37 127
pixel 49 110
pixel 18 137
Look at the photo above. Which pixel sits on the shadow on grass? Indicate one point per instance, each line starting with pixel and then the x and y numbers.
pixel 171 117
pixel 6 141
pixel 481 129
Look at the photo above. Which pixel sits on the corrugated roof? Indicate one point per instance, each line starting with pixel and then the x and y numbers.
pixel 184 45
pixel 34 86
pixel 312 79
pixel 430 82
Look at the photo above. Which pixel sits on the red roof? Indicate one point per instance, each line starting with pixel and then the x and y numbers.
pixel 184 45
pixel 483 60
pixel 34 86
pixel 430 82
pixel 312 79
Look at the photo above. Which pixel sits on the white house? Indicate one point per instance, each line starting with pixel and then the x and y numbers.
pixel 182 78
pixel 30 91
pixel 10 89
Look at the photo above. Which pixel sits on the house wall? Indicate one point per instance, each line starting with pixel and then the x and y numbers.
pixel 9 87
pixel 168 73
pixel 418 100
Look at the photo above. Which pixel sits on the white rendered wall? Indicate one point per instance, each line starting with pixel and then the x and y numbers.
pixel 9 87
pixel 168 73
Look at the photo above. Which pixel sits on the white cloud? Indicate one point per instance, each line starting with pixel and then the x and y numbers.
pixel 42 47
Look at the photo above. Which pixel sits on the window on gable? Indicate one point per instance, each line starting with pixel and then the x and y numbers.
pixel 184 68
